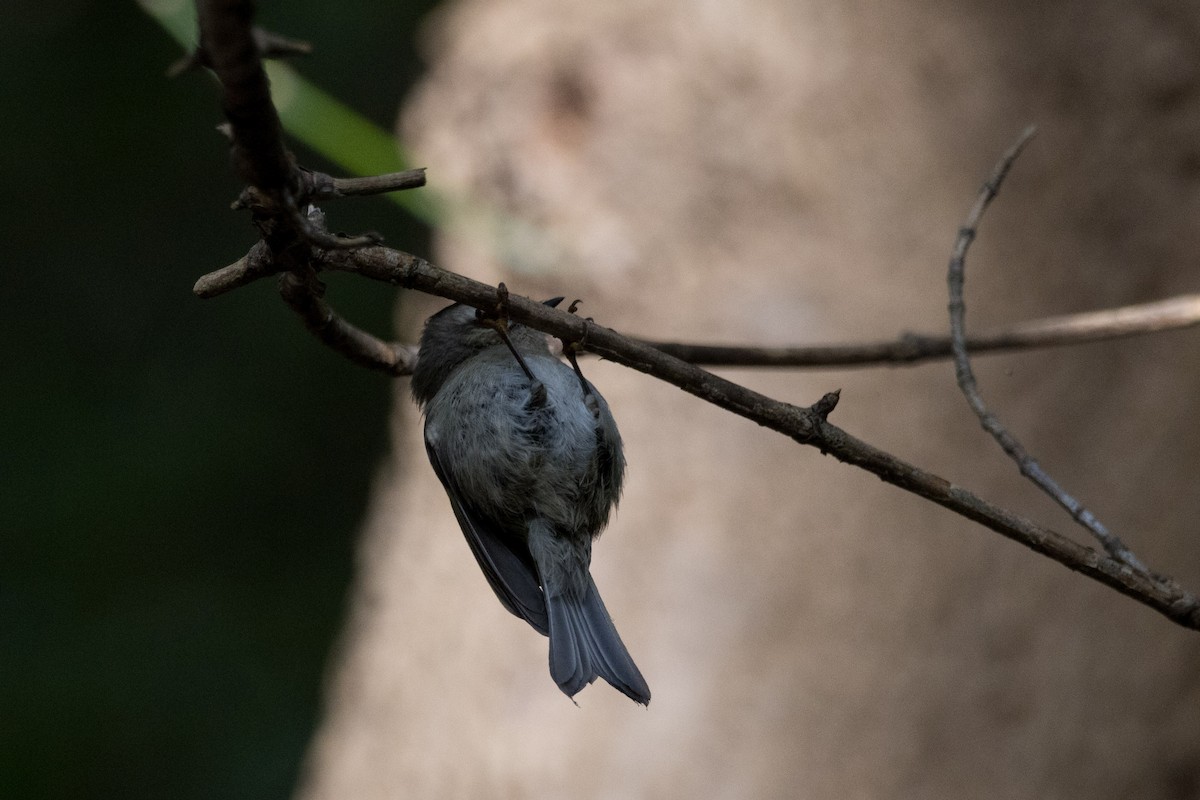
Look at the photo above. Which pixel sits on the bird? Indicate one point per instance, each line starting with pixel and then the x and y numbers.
pixel 531 459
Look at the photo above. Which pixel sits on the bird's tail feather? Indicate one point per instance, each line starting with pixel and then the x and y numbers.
pixel 584 645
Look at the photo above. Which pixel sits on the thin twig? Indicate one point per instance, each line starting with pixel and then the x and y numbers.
pixel 315 187
pixel 325 187
pixel 318 186
pixel 276 45
pixel 966 377
pixel 304 296
pixel 270 45
pixel 311 226
pixel 247 269
pixel 1172 313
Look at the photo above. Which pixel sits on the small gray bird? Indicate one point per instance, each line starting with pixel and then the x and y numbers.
pixel 532 461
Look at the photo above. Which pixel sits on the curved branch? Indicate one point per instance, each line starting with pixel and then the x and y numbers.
pixel 965 376
pixel 304 296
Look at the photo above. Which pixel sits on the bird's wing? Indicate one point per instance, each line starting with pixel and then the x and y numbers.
pixel 512 575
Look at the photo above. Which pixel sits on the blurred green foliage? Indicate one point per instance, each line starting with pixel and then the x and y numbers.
pixel 182 479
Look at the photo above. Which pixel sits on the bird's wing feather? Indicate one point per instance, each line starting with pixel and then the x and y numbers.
pixel 512 577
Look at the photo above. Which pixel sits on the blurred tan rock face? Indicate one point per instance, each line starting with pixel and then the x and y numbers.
pixel 776 171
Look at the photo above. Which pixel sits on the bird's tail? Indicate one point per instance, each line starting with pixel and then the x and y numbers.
pixel 584 645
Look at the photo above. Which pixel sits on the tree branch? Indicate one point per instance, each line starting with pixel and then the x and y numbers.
pixel 315 187
pixel 228 40
pixel 256 264
pixel 325 187
pixel 1173 313
pixel 804 425
pixel 292 248
pixel 304 295
pixel 965 376
pixel 278 189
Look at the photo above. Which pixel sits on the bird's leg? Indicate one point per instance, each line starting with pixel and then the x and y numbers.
pixel 570 350
pixel 497 320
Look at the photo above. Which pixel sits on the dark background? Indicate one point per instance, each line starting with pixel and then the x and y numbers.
pixel 182 479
